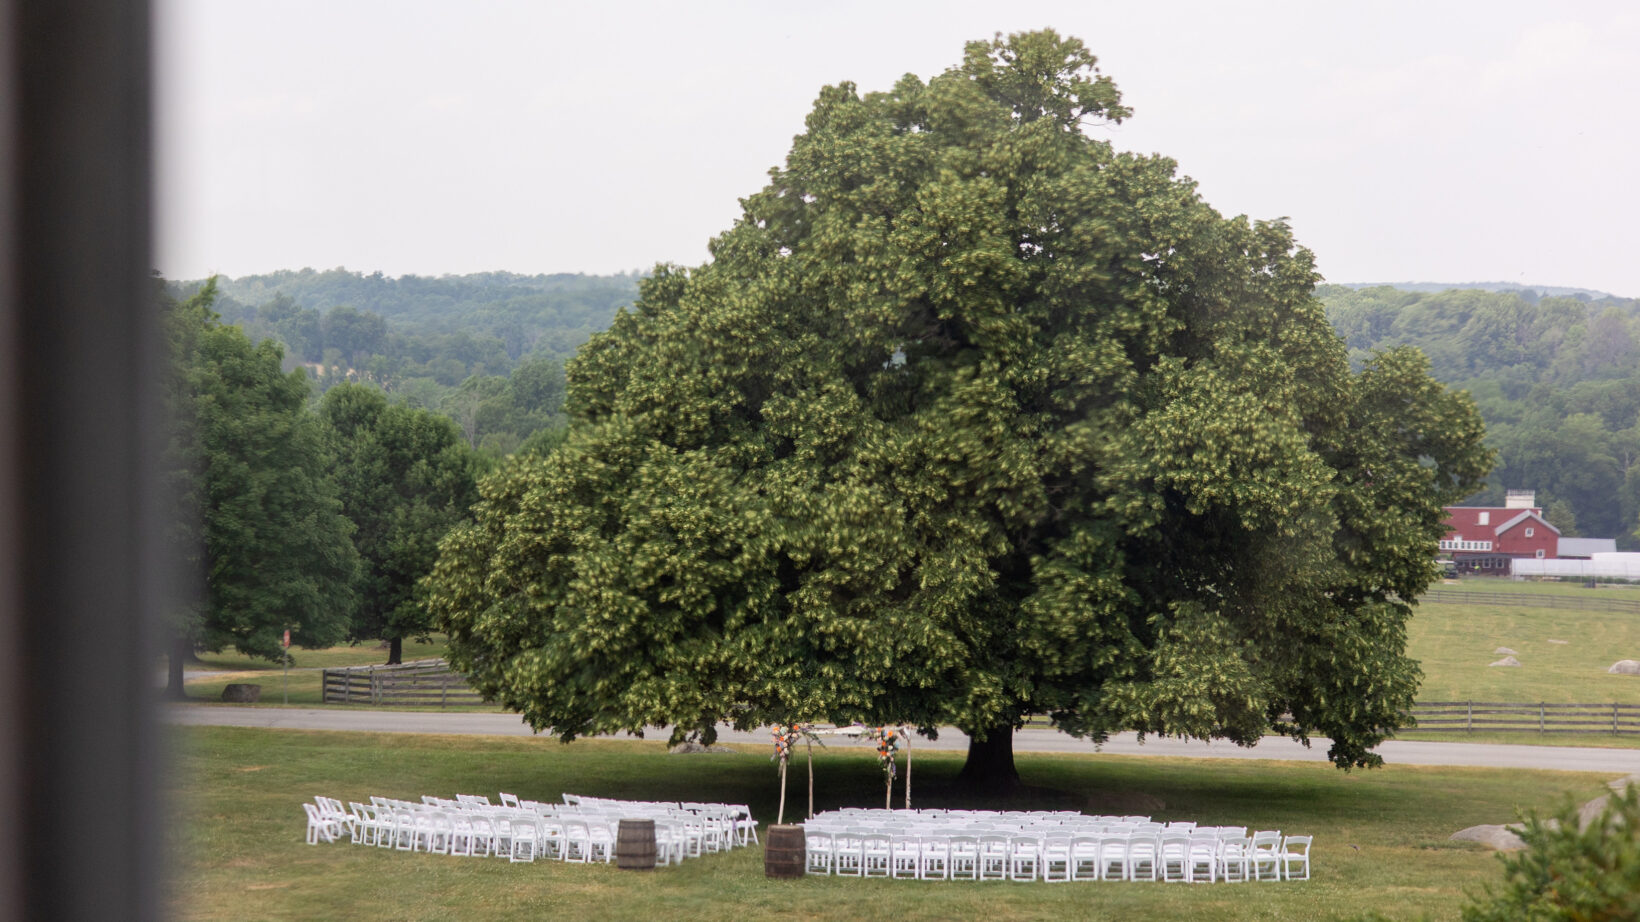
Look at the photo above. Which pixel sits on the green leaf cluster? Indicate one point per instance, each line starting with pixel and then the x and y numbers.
pixel 971 416
pixel 404 477
pixel 1571 873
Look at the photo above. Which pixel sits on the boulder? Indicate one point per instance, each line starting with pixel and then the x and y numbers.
pixel 1625 667
pixel 241 693
pixel 1506 661
pixel 1495 837
pixel 1504 651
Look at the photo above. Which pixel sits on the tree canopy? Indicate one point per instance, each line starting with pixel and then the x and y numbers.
pixel 969 417
pixel 404 476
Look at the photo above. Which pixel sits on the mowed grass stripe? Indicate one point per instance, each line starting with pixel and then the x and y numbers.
pixel 1381 836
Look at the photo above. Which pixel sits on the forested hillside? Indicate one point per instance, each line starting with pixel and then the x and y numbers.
pixel 487 350
pixel 1556 378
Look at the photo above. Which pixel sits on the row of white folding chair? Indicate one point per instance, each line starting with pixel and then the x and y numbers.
pixel 691 833
pixel 737 819
pixel 1051 856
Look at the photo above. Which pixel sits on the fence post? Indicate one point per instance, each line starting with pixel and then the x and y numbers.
pixel 444 693
pixel 1541 709
pixel 1614 718
pixel 375 691
pixel 1469 717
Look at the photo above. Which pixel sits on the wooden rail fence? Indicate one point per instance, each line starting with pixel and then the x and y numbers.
pixel 1528 600
pixel 421 683
pixel 1467 716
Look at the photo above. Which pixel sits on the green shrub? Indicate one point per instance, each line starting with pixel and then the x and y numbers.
pixel 1569 873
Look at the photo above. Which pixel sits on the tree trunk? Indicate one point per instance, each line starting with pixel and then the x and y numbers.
pixel 990 766
pixel 395 651
pixel 182 649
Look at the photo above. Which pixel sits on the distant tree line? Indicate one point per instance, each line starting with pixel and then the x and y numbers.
pixel 486 350
pixel 1557 380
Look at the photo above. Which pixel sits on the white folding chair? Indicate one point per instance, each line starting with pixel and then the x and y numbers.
pixel 577 841
pixel 1235 858
pixel 1266 855
pixel 995 856
pixel 1295 851
pixel 1084 856
pixel 602 833
pixel 817 850
pixel 509 800
pixel 483 834
pixel 461 834
pixel 962 857
pixel 319 827
pixel 1175 857
pixel 1024 857
pixel 744 826
pixel 934 856
pixel 1202 857
pixel 848 852
pixel 876 849
pixel 1057 863
pixel 526 835
pixel 1144 856
pixel 551 831
pixel 904 855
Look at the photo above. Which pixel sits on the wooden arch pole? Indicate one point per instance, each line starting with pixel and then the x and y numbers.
pixel 907 770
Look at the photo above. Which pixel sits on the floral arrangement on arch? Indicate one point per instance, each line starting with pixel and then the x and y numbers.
pixel 888 746
pixel 784 736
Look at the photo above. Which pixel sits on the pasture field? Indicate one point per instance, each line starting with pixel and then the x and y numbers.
pixel 1455 644
pixel 1381 836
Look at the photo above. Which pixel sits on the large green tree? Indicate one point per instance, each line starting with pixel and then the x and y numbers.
pixel 970 417
pixel 256 514
pixel 405 477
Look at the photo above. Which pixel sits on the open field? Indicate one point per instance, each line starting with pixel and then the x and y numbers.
pixel 1455 644
pixel 363 654
pixel 1380 835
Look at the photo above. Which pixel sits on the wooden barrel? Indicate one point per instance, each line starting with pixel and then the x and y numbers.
pixel 785 852
pixel 635 845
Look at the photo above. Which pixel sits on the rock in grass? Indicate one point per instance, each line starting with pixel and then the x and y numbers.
pixel 242 693
pixel 1495 837
pixel 1625 667
pixel 1506 661
pixel 1504 651
pixel 1552 640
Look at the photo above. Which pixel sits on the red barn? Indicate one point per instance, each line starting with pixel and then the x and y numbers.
pixel 1483 539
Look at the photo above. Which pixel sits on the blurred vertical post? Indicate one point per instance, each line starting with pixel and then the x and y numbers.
pixel 81 553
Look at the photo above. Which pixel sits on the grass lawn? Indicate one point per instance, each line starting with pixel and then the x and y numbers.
pixel 1381 836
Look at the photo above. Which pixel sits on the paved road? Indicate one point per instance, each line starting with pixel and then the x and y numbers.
pixel 1403 752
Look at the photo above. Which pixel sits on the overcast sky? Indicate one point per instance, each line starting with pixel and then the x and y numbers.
pixel 1430 141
